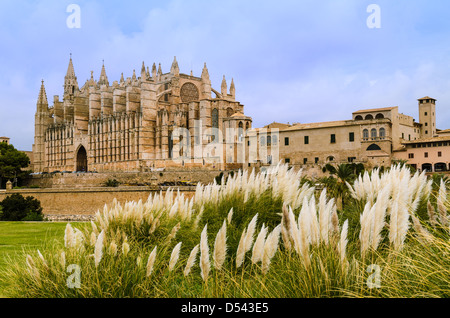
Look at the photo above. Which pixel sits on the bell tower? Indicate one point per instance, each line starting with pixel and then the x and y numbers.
pixel 427 116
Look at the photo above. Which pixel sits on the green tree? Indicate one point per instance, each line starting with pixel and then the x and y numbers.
pixel 17 208
pixel 336 183
pixel 12 163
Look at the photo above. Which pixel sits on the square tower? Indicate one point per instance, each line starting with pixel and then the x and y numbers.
pixel 427 116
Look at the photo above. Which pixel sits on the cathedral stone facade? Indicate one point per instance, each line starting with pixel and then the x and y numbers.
pixel 138 123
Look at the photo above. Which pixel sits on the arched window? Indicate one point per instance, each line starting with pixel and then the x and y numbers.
pixel 262 141
pixel 247 126
pixel 330 159
pixel 382 132
pixel 241 130
pixel 373 133
pixel 215 118
pixel 379 116
pixel 269 140
pixel 373 147
pixel 368 117
pixel 359 117
pixel 365 134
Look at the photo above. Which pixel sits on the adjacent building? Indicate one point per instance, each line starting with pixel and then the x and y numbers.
pixel 374 137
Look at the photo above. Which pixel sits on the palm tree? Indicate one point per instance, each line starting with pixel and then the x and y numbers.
pixel 339 176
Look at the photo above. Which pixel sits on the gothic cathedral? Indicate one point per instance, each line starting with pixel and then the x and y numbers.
pixel 135 123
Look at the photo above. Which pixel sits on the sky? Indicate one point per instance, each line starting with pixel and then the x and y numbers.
pixel 291 60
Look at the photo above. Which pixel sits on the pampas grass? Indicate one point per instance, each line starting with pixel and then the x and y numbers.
pixel 205 265
pixel 151 262
pixel 98 250
pixel 320 255
pixel 191 260
pixel 174 256
pixel 220 247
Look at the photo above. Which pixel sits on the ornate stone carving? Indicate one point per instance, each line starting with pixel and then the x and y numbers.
pixel 189 93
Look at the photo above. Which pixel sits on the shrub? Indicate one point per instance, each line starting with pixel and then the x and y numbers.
pixel 18 208
pixel 113 183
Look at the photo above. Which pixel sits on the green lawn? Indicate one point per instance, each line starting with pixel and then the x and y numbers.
pixel 15 236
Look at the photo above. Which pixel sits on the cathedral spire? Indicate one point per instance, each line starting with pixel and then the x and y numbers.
pixel 70 69
pixel 42 98
pixel 159 69
pixel 224 87
pixel 232 88
pixel 175 70
pixel 70 80
pixel 103 78
pixel 154 71
pixel 143 74
pixel 205 73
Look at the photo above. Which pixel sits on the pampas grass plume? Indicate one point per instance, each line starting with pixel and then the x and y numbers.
pixel 205 265
pixel 174 256
pixel 98 249
pixel 220 247
pixel 191 260
pixel 151 262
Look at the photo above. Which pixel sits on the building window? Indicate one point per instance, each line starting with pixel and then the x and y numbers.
pixel 287 160
pixel 263 141
pixel 426 114
pixel 316 160
pixel 351 159
pixel 269 141
pixel 426 132
pixel 411 156
pixel 373 133
pixel 426 154
pixel 305 161
pixel 333 138
pixel 426 124
pixel 439 154
pixel 286 141
pixel 366 134
pixel 351 137
pixel 215 118
pixel 306 140
pixel 382 132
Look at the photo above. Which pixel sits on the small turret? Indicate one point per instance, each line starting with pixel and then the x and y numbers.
pixel 154 71
pixel 103 78
pixel 175 70
pixel 232 89
pixel 42 102
pixel 224 87
pixel 205 73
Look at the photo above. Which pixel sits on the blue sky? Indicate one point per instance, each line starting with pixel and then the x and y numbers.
pixel 292 61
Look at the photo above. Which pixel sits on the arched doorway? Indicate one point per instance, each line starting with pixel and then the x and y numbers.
pixel 82 164
pixel 427 167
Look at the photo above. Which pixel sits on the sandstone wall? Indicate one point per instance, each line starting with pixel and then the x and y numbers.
pixel 93 180
pixel 80 204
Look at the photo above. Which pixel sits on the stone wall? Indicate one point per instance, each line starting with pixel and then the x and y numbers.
pixel 93 180
pixel 81 204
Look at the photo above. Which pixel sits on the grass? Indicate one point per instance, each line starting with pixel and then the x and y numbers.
pixel 17 236
pixel 314 257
